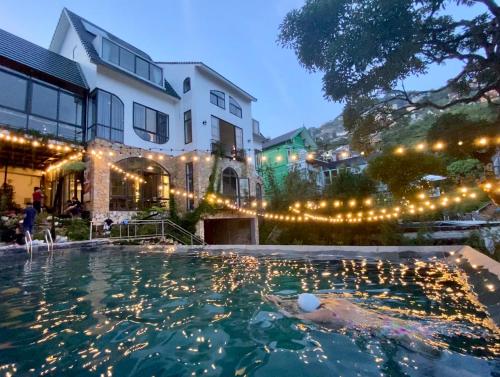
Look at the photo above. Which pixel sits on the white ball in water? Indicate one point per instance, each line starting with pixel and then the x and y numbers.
pixel 308 302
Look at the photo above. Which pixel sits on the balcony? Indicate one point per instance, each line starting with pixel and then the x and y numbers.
pixel 228 151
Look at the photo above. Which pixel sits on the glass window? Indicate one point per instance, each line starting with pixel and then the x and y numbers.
pixel 44 126
pixel 142 67
pixel 127 60
pixel 116 113
pixel 230 186
pixel 104 108
pixel 188 127
pixel 107 116
pixel 70 109
pixel 189 185
pixel 44 101
pixel 15 96
pixel 234 107
pixel 139 116
pixel 150 125
pixel 156 74
pixel 218 98
pixel 238 132
pixel 186 85
pixel 244 191
pixel 110 51
pixel 215 129
pixel 258 191
pixel 12 118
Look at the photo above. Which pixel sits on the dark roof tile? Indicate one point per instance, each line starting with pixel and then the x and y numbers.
pixel 21 51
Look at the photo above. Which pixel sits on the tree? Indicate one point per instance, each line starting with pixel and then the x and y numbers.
pixel 347 185
pixel 462 134
pixel 403 173
pixel 295 187
pixel 366 48
pixel 468 170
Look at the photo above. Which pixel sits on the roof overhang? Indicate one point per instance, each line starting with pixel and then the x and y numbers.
pixel 214 74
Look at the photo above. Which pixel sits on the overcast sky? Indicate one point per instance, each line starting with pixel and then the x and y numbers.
pixel 236 38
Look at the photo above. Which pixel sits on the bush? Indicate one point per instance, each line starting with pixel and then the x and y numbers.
pixel 77 229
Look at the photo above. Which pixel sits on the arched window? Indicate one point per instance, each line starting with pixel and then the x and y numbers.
pixel 186 85
pixel 230 185
pixel 106 116
pixel 234 107
pixel 218 98
pixel 258 191
pixel 130 195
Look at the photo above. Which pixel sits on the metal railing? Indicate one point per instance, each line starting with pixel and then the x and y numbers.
pixel 48 240
pixel 28 241
pixel 145 229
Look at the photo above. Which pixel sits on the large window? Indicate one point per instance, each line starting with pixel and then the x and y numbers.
pixel 150 125
pixel 186 85
pixel 129 195
pixel 227 138
pixel 124 58
pixel 218 98
pixel 230 185
pixel 29 104
pixel 258 191
pixel 106 116
pixel 190 186
pixel 234 107
pixel 188 127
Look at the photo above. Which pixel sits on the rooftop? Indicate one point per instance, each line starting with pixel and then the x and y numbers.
pixel 17 50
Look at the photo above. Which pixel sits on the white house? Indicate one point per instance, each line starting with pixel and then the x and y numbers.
pixel 157 131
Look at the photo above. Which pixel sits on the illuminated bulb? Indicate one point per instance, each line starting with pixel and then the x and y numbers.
pixel 460 143
pixel 368 202
pixel 196 158
pixel 279 158
pixel 420 147
pixel 438 146
pixel 35 143
pixel 483 141
pixel 400 150
pixel 421 196
pixel 352 203
pixel 183 158
pixel 249 159
pixel 294 157
pixel 310 156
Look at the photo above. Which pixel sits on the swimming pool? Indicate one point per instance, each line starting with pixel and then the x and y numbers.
pixel 127 313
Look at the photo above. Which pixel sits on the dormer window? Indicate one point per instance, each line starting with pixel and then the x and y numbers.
pixel 127 60
pixel 234 107
pixel 218 98
pixel 186 85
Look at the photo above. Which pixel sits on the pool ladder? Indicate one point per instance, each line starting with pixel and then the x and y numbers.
pixel 48 240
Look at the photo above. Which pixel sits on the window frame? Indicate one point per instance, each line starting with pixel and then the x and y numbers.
pixel 219 97
pixel 28 114
pixel 156 134
pixel 94 124
pixel 234 107
pixel 186 85
pixel 189 171
pixel 190 120
pixel 136 56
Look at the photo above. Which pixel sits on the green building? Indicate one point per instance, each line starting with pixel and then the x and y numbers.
pixel 293 150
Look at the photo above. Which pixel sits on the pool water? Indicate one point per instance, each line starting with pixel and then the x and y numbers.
pixel 130 313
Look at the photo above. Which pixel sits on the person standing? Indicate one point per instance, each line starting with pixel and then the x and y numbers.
pixel 37 199
pixel 29 218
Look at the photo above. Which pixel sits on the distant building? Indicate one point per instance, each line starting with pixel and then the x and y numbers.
pixel 294 150
pixel 331 169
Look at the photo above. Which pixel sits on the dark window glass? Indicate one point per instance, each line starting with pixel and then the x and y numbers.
pixel 44 126
pixel 127 60
pixel 15 96
pixel 104 108
pixel 188 127
pixel 44 101
pixel 150 125
pixel 230 185
pixel 139 116
pixel 12 118
pixel 218 98
pixel 70 109
pixel 69 132
pixel 186 85
pixel 189 185
pixel 156 74
pixel 142 67
pixel 258 191
pixel 110 51
pixel 234 107
pixel 116 113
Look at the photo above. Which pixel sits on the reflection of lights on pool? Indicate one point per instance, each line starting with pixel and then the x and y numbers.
pixel 326 273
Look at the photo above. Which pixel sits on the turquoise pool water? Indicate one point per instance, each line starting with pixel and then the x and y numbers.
pixel 129 313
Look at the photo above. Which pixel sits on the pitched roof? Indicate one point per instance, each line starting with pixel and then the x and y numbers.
pixel 37 58
pixel 213 72
pixel 282 138
pixel 86 37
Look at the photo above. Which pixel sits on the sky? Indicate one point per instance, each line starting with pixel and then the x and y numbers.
pixel 236 38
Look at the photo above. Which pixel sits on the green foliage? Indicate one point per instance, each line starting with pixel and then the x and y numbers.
pixel 465 170
pixel 295 187
pixel 347 185
pixel 73 167
pixel 7 198
pixel 366 48
pixel 77 229
pixel 402 173
pixel 453 128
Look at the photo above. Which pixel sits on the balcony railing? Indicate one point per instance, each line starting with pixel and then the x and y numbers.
pixel 229 151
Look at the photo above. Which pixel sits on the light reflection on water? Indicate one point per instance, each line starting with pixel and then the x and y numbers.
pixel 144 314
